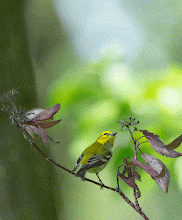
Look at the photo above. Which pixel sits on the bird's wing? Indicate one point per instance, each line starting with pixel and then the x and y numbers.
pixel 98 160
pixel 77 163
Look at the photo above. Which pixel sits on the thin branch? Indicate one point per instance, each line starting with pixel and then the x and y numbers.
pixel 133 206
pixel 138 209
pixel 140 138
pixel 140 144
pixel 135 156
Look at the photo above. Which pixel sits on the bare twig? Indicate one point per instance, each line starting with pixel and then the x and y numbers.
pixel 135 156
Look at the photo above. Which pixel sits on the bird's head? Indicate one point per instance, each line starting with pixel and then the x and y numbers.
pixel 107 137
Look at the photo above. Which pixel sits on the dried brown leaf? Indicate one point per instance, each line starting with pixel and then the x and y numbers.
pixel 130 165
pixel 176 143
pixel 129 180
pixel 29 130
pixel 48 124
pixel 162 174
pixel 159 166
pixel 146 168
pixel 46 114
pixel 39 120
pixel 159 146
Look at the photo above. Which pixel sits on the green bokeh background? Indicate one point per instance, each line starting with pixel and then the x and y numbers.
pixel 38 56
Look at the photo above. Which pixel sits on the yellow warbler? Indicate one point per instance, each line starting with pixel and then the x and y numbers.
pixel 95 157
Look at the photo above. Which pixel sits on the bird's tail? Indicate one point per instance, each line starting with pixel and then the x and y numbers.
pixel 81 173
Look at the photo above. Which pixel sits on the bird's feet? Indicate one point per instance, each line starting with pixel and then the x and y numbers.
pixel 101 184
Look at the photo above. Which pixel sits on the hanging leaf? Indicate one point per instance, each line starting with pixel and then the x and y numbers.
pixel 131 182
pixel 45 113
pixel 129 168
pixel 48 124
pixel 153 162
pixel 146 168
pixel 159 146
pixel 176 143
pixel 39 120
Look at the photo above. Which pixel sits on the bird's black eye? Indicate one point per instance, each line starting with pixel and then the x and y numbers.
pixel 105 133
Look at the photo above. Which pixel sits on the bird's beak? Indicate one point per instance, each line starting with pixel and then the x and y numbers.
pixel 113 134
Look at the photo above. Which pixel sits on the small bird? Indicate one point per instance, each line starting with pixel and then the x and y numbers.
pixel 95 157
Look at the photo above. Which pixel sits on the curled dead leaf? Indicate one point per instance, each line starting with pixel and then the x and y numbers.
pixel 47 113
pixel 146 168
pixel 128 180
pixel 131 182
pixel 159 146
pixel 176 143
pixel 39 120
pixel 163 179
pixel 129 168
